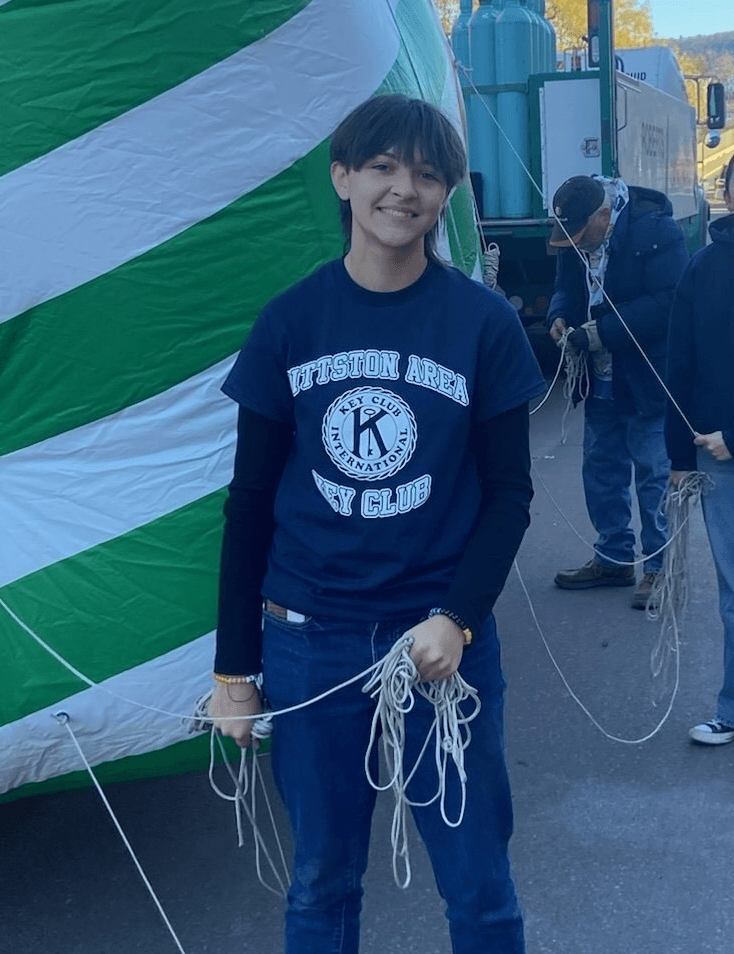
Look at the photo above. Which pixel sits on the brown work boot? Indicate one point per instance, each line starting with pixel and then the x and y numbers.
pixel 594 573
pixel 643 591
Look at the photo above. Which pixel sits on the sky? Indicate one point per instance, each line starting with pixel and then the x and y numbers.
pixel 674 18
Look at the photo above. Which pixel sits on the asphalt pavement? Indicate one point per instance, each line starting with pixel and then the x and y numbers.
pixel 620 847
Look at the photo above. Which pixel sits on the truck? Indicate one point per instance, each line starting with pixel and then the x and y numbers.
pixel 534 121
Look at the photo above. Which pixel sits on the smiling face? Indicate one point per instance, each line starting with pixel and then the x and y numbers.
pixel 393 203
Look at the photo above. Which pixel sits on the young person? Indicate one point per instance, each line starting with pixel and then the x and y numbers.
pixel 381 486
pixel 700 377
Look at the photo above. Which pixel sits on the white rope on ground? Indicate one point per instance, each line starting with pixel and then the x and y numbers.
pixel 63 719
pixel 579 703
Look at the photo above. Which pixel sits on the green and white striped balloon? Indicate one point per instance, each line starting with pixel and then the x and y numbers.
pixel 163 173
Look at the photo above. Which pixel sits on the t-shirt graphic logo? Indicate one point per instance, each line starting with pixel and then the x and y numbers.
pixel 369 433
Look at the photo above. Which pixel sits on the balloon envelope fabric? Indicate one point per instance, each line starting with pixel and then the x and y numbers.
pixel 163 174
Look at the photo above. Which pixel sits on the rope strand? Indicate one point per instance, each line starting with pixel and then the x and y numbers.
pixel 63 719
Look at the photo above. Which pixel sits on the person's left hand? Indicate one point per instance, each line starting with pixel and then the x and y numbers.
pixel 578 340
pixel 438 645
pixel 714 444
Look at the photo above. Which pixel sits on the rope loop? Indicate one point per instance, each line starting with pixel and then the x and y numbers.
pixel 394 685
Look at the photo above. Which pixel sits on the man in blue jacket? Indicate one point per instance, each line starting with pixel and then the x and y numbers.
pixel 620 257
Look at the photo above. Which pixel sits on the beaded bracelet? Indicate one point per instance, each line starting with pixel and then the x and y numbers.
pixel 455 618
pixel 235 680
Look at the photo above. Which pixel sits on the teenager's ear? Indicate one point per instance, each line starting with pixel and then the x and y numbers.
pixel 340 180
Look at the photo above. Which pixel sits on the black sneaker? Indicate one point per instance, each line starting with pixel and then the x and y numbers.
pixel 594 573
pixel 714 732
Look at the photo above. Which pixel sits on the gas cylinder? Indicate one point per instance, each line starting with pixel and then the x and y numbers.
pixel 482 117
pixel 460 46
pixel 549 39
pixel 513 58
pixel 537 35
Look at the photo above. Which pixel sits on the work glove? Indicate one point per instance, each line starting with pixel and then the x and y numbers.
pixel 585 338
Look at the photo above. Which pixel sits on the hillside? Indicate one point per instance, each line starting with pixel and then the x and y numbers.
pixel 703 45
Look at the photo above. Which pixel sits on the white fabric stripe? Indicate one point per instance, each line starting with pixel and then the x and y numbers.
pixel 36 747
pixel 91 484
pixel 136 181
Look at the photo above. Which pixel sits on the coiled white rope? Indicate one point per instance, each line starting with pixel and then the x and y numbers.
pixel 577 381
pixel 669 594
pixel 491 264
pixel 245 781
pixel 393 685
pixel 393 682
pixel 394 679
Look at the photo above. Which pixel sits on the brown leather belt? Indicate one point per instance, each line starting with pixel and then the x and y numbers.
pixel 280 612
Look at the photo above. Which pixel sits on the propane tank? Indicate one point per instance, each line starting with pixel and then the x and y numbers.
pixel 482 117
pixel 513 56
pixel 460 46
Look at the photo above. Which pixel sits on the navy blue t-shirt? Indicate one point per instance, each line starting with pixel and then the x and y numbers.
pixel 380 492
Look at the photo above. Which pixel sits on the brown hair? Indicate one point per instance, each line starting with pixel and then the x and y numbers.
pixel 396 123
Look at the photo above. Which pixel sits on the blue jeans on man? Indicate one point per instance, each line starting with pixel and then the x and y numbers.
pixel 617 446
pixel 318 759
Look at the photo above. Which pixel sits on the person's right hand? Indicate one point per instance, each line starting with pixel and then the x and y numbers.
pixel 557 329
pixel 232 701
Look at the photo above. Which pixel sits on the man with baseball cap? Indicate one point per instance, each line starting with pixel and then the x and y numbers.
pixel 620 257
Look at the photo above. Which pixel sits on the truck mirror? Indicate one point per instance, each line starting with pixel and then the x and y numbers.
pixel 715 106
pixel 712 140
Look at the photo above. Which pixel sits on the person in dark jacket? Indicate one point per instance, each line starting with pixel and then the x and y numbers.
pixel 618 244
pixel 700 377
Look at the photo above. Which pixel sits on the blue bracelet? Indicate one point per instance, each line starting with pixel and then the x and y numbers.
pixel 438 611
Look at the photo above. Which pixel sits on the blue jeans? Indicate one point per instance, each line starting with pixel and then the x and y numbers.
pixel 318 763
pixel 614 443
pixel 718 512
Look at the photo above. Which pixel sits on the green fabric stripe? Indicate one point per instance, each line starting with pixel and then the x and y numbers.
pixel 168 314
pixel 192 755
pixel 462 231
pixel 112 607
pixel 68 67
pixel 419 67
